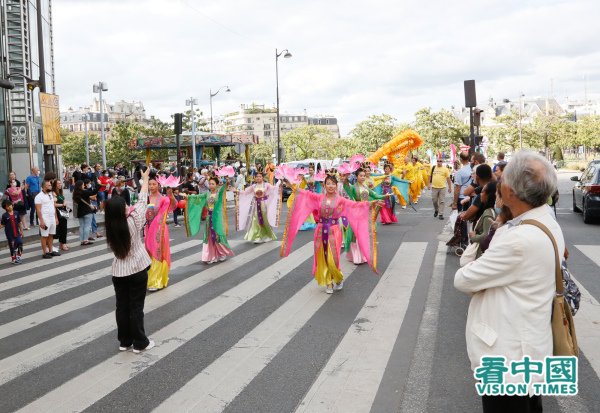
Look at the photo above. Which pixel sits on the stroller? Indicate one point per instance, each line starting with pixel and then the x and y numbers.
pixel 459 239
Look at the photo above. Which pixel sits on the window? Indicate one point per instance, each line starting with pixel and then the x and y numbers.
pixel 267 133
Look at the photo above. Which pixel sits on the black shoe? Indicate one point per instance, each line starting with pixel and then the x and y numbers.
pixel 47 256
pixel 55 254
pixel 441 217
pixel 435 214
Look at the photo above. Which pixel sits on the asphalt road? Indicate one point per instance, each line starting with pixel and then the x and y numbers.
pixel 255 333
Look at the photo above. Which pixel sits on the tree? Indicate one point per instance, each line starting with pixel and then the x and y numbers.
pixel 587 132
pixel 73 148
pixel 309 141
pixel 370 134
pixel 439 129
pixel 118 149
pixel 546 131
pixel 505 136
pixel 261 152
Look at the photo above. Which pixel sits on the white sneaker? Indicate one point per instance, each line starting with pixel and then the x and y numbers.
pixel 329 290
pixel 121 348
pixel 403 206
pixel 152 289
pixel 339 286
pixel 148 347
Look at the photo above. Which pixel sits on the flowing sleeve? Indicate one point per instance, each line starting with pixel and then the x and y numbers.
pixel 274 204
pixel 290 199
pixel 220 217
pixel 193 213
pixel 304 203
pixel 350 190
pixel 360 216
pixel 373 195
pixel 243 207
pixel 400 187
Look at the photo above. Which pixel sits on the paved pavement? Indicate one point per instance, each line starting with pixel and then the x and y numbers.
pixel 255 333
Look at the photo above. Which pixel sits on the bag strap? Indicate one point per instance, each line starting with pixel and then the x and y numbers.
pixel 560 288
pixel 431 174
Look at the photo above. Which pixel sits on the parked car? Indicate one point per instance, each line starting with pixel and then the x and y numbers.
pixel 285 193
pixel 586 192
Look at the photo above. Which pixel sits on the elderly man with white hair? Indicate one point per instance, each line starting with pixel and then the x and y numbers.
pixel 513 283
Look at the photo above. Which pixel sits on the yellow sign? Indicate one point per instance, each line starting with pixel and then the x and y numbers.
pixel 50 118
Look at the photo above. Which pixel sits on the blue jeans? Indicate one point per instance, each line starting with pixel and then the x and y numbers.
pixel 93 225
pixel 85 224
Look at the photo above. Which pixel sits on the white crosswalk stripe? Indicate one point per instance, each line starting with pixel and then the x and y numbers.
pixel 348 379
pixel 107 376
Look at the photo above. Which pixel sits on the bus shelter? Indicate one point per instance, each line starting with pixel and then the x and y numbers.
pixel 242 142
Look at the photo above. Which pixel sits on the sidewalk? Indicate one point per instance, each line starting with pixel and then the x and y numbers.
pixel 33 234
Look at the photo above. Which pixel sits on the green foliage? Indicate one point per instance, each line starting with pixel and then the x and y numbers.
pixel 505 137
pixel 309 141
pixel 73 148
pixel 588 132
pixel 370 134
pixel 439 129
pixel 262 152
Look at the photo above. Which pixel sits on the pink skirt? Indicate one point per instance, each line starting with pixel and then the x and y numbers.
pixel 387 216
pixel 354 255
pixel 213 252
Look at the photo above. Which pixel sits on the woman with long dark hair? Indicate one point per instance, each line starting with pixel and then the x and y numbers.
pixel 61 213
pixel 484 223
pixel 85 211
pixel 130 267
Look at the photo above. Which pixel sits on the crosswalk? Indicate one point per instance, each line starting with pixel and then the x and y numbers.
pixel 225 333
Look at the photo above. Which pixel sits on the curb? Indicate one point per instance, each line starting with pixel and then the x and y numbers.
pixel 30 238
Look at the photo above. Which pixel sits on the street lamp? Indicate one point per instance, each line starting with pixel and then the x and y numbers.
pixel 212 95
pixel 87 144
pixel 286 54
pixel 99 88
pixel 191 102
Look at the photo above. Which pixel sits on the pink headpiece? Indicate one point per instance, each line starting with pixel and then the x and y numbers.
pixel 170 182
pixel 226 171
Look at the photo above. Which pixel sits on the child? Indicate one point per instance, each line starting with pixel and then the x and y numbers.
pixel 14 231
pixel 177 212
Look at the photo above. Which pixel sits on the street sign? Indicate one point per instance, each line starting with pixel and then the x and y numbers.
pixel 50 118
pixel 19 135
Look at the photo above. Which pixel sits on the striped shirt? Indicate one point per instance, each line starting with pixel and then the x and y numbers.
pixel 138 258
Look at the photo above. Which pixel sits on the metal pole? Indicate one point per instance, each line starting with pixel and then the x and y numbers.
pixel 193 133
pixel 520 127
pixel 472 136
pixel 211 115
pixel 277 90
pixel 87 144
pixel 102 128
pixel 178 139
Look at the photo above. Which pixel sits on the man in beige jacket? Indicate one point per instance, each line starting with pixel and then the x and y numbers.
pixel 513 283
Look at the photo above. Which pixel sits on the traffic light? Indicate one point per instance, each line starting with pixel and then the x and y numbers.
pixel 32 84
pixel 6 84
pixel 178 117
pixel 477 117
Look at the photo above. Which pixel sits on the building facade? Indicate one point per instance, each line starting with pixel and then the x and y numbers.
pixel 262 122
pixel 20 119
pixel 88 118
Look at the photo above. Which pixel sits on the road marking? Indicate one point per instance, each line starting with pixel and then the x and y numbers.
pixel 350 380
pixel 44 352
pixel 84 390
pixel 76 265
pixel 227 376
pixel 28 266
pixel 416 392
pixel 34 246
pixel 71 282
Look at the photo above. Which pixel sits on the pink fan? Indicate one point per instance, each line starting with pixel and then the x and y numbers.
pixel 287 172
pixel 170 182
pixel 226 171
pixel 320 176
pixel 358 158
pixel 345 169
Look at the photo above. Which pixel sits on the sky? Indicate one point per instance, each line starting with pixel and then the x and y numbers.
pixel 350 59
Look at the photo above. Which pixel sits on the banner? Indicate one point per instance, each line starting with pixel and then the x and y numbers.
pixel 50 118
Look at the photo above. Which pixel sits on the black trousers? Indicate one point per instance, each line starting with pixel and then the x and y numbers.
pixel 516 404
pixel 32 212
pixel 130 292
pixel 465 233
pixel 61 229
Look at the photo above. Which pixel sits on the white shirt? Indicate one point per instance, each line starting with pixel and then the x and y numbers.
pixel 47 203
pixel 513 285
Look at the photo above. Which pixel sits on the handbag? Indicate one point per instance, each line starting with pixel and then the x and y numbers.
pixel 564 338
pixel 64 213
pixel 92 207
pixel 469 254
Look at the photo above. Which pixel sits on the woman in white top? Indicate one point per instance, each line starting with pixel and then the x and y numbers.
pixel 130 267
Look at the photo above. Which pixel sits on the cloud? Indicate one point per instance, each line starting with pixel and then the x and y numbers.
pixel 350 59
